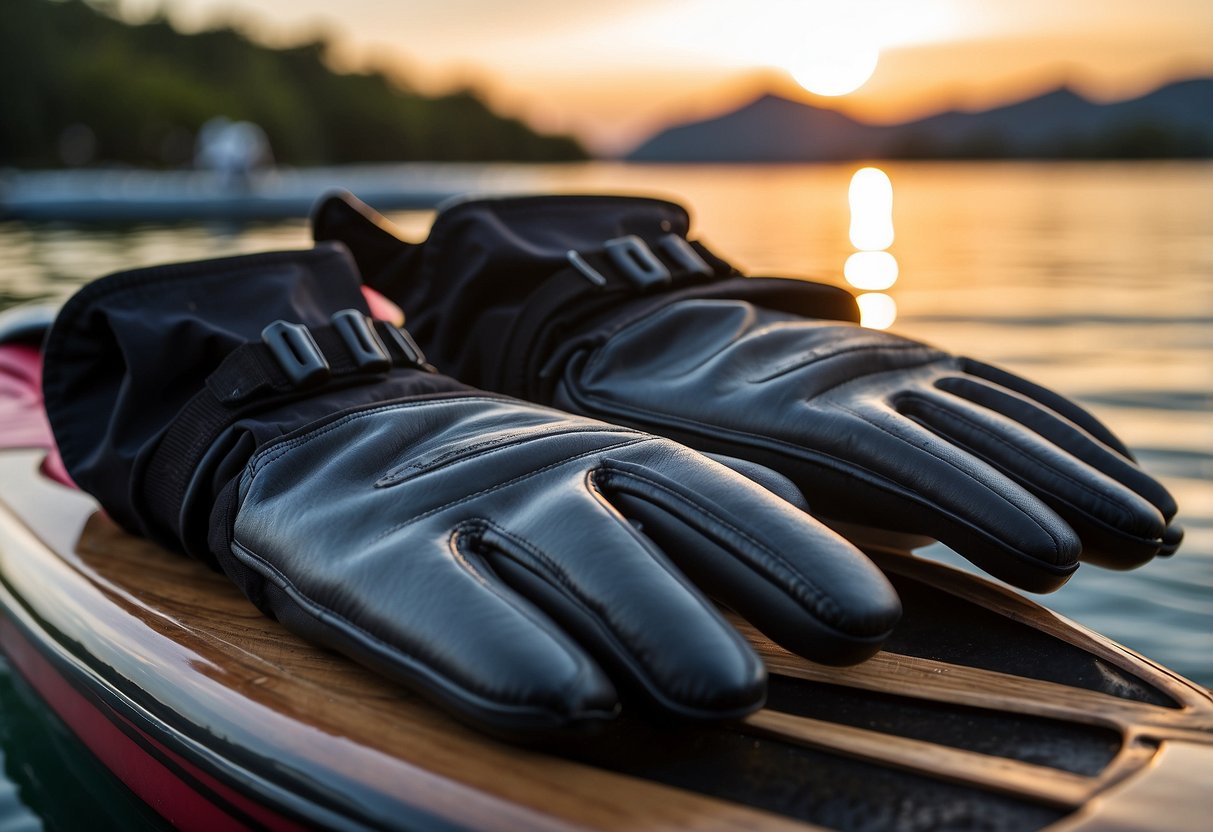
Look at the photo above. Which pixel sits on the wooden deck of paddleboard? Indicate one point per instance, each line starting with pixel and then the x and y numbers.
pixel 985 710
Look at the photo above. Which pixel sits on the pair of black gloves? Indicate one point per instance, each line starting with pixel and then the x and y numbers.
pixel 525 567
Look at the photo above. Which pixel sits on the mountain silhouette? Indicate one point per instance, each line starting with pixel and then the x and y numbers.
pixel 1174 121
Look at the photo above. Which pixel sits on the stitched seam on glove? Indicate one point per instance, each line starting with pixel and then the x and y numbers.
pixel 611 410
pixel 865 376
pixel 807 358
pixel 645 318
pixel 1040 418
pixel 508 483
pixel 600 354
pixel 964 473
pixel 571 592
pixel 477 450
pixel 321 612
pixel 821 605
pixel 1049 400
pixel 274 450
pixel 1117 509
pixel 256 466
pixel 470 529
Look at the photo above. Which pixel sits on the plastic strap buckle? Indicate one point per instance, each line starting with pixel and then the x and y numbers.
pixel 295 351
pixel 640 265
pixel 405 345
pixel 636 260
pixel 369 353
pixel 683 254
pixel 587 271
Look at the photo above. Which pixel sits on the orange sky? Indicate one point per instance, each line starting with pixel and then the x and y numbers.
pixel 612 71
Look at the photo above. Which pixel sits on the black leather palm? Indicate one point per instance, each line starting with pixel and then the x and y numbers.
pixel 873 428
pixel 521 566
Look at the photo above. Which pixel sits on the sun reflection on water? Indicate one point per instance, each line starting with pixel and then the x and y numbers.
pixel 874 271
pixel 876 310
pixel 871 198
pixel 872 268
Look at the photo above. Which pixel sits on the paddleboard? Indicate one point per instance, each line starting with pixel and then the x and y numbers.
pixel 984 710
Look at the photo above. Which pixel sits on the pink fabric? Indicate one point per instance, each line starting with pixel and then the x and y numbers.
pixel 382 308
pixel 22 419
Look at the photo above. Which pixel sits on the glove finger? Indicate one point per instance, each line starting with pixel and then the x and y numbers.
pixel 1171 539
pixel 428 613
pixel 772 481
pixel 624 602
pixel 885 470
pixel 1053 401
pixel 793 578
pixel 1065 434
pixel 1118 527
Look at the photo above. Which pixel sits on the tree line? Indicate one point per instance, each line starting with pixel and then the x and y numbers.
pixel 79 86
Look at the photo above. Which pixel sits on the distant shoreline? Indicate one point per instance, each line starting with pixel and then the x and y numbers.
pixel 1174 121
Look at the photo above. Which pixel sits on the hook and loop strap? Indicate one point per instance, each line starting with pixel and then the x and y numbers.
pixel 290 362
pixel 596 281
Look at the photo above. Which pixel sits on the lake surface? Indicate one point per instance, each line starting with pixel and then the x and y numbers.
pixel 1093 279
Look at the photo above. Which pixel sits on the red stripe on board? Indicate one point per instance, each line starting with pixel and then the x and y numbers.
pixel 155 783
pixel 22 418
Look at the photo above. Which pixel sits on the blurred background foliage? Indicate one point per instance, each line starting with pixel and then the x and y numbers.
pixel 78 86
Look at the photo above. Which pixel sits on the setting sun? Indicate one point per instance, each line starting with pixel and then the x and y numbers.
pixel 834 66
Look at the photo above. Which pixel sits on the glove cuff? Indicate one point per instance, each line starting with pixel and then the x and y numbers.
pixel 146 370
pixel 291 362
pixel 503 287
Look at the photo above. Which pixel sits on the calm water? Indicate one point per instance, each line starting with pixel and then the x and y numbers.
pixel 1096 280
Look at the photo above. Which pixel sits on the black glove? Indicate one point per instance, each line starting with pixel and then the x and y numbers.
pixel 508 560
pixel 600 305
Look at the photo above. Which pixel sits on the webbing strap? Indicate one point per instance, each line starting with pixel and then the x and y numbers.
pixel 257 376
pixel 594 282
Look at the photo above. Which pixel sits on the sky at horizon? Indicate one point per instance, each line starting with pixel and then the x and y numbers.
pixel 613 72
